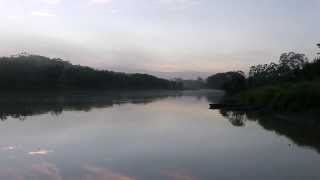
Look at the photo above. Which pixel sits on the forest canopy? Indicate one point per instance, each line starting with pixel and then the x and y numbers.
pixel 291 68
pixel 291 84
pixel 34 72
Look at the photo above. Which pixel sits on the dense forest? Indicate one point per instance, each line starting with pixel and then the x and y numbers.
pixel 292 84
pixel 197 84
pixel 34 72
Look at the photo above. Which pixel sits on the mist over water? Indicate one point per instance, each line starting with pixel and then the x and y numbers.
pixel 159 90
pixel 147 135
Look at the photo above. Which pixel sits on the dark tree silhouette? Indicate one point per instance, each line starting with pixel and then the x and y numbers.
pixel 292 61
pixel 231 82
pixel 292 84
pixel 290 68
pixel 33 72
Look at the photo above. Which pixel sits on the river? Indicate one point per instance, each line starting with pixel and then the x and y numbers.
pixel 160 135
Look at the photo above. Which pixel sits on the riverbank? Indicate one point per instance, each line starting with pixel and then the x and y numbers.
pixel 288 97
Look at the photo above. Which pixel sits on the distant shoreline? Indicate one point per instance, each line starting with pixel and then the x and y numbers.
pixel 39 73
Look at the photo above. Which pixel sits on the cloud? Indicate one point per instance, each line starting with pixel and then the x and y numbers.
pixel 179 176
pixel 51 2
pixel 43 14
pixel 178 4
pixel 114 11
pixel 101 1
pixel 14 17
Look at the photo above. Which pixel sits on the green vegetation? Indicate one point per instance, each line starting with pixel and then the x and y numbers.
pixel 287 97
pixel 231 82
pixel 33 72
pixel 293 84
pixel 192 84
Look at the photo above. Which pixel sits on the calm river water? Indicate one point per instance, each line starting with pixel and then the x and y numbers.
pixel 148 136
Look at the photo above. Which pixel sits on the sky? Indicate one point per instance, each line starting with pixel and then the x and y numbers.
pixel 167 36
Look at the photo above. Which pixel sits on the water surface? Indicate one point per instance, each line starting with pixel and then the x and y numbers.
pixel 148 135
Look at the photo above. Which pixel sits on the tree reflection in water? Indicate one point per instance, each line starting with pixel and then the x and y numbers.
pixel 20 106
pixel 302 129
pixel 236 118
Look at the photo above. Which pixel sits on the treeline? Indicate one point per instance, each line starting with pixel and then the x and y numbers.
pixel 291 84
pixel 231 82
pixel 197 84
pixel 292 67
pixel 34 72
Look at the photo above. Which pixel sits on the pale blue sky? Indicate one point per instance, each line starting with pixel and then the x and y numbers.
pixel 160 35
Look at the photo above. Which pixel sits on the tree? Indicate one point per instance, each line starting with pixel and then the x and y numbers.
pixel 312 70
pixel 231 82
pixel 292 61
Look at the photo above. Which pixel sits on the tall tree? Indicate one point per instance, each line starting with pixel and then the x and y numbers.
pixel 231 82
pixel 292 60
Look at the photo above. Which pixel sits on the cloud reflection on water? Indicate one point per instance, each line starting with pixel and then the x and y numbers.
pixel 97 173
pixel 49 171
pixel 20 106
pixel 40 152
pixel 46 170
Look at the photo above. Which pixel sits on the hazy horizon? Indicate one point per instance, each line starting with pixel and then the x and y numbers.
pixel 173 36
